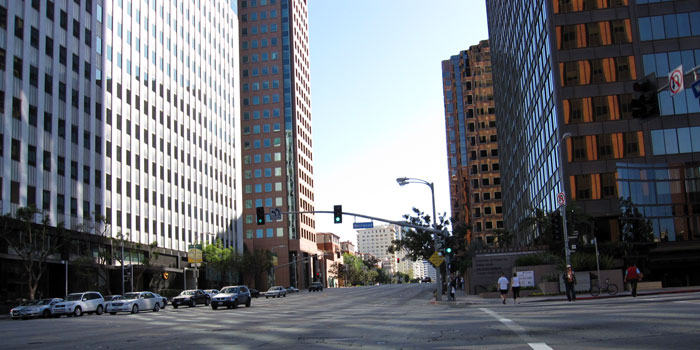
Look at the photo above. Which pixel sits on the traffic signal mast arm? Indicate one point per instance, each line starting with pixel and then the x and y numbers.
pixel 400 223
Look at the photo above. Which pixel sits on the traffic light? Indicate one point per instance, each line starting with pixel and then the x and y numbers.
pixel 645 103
pixel 448 250
pixel 398 260
pixel 556 226
pixel 337 214
pixel 260 214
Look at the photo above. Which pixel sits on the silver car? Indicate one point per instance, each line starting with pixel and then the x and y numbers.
pixel 39 308
pixel 231 297
pixel 134 302
pixel 77 304
pixel 276 291
pixel 16 312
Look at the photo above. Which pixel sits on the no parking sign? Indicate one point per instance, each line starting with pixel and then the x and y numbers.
pixel 675 80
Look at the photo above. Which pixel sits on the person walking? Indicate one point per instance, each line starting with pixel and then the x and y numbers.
pixel 503 286
pixel 633 275
pixel 570 283
pixel 453 289
pixel 515 286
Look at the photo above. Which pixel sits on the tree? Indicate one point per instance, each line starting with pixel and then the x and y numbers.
pixel 33 242
pixel 224 262
pixel 257 263
pixel 417 243
pixel 102 262
pixel 339 270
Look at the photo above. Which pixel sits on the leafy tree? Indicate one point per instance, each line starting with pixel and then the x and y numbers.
pixel 636 228
pixel 338 269
pixel 417 243
pixel 258 264
pixel 33 242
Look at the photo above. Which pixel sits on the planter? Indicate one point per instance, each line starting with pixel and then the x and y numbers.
pixel 549 287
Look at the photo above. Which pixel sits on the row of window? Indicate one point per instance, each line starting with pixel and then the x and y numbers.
pixel 674 141
pixel 488 211
pixel 671 26
pixel 662 63
pixel 597 71
pixel 486 196
pixel 256 3
pixel 597 108
pixel 566 6
pixel 605 146
pixel 265 113
pixel 593 186
pixel 488 225
pixel 594 34
pixel 484 168
pixel 265 233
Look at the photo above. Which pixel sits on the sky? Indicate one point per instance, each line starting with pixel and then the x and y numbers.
pixel 377 105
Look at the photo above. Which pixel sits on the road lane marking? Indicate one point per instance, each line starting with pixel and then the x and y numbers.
pixel 517 329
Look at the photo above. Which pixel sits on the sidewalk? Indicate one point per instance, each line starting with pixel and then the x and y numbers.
pixel 468 299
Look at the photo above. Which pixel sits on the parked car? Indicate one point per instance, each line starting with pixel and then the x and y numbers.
pixel 16 312
pixel 77 304
pixel 211 292
pixel 254 292
pixel 276 291
pixel 163 300
pixel 39 308
pixel 316 287
pixel 113 297
pixel 231 297
pixel 191 297
pixel 292 289
pixel 134 302
pixel 426 279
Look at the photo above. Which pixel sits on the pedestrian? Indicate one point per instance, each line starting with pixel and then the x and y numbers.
pixel 503 286
pixel 633 275
pixel 453 289
pixel 515 285
pixel 570 283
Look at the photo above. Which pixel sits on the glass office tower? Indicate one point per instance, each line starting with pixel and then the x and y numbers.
pixel 568 67
pixel 127 110
pixel 472 143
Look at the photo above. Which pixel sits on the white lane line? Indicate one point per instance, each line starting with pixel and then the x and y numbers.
pixel 517 329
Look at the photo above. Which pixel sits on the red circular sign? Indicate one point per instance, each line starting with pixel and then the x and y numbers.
pixel 561 198
pixel 675 81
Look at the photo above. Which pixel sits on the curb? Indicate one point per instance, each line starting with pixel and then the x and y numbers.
pixel 589 297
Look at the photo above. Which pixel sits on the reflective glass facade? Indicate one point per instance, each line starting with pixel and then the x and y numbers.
pixel 598 49
pixel 472 142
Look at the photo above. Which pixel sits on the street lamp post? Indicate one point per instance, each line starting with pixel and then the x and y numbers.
pixel 562 207
pixel 405 180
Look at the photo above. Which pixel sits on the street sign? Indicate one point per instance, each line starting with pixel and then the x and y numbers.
pixel 696 88
pixel 561 198
pixel 363 224
pixel 675 80
pixel 194 253
pixel 275 214
pixel 436 259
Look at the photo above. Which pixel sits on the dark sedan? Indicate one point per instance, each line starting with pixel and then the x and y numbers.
pixel 191 297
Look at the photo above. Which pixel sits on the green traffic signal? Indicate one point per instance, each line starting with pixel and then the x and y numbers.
pixel 260 215
pixel 448 250
pixel 337 214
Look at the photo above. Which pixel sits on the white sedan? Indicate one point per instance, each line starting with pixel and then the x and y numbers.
pixel 134 302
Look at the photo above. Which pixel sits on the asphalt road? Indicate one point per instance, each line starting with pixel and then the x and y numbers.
pixel 378 317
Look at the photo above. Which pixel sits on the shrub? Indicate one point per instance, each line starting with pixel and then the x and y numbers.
pixel 587 262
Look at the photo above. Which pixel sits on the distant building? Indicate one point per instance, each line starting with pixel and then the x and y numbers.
pixel 423 268
pixel 328 245
pixel 347 247
pixel 472 143
pixel 377 240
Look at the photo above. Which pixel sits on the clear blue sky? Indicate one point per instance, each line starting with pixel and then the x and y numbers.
pixel 377 106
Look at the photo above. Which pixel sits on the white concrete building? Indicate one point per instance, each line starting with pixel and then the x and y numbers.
pixel 376 241
pixel 125 109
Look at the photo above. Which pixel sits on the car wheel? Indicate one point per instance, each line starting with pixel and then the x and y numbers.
pixel 235 304
pixel 78 311
pixel 112 313
pixel 174 306
pixel 247 303
pixel 156 308
pixel 266 297
pixel 206 302
pixel 100 310
pixel 284 295
pixel 46 314
pixel 135 309
pixel 193 303
pixel 214 307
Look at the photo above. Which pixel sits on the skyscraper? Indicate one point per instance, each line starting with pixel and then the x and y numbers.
pixel 127 110
pixel 276 134
pixel 567 67
pixel 472 143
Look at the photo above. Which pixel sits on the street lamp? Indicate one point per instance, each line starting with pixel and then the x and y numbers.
pixel 567 252
pixel 406 180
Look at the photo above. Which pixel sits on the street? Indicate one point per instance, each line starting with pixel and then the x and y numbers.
pixel 380 317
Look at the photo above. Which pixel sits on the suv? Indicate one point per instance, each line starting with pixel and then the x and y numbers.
pixel 78 303
pixel 316 287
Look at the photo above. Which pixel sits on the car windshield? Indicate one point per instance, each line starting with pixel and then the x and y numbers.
pixel 43 302
pixel 229 290
pixel 131 296
pixel 74 297
pixel 187 292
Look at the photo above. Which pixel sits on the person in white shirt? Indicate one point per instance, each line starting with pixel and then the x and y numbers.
pixel 515 285
pixel 503 286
